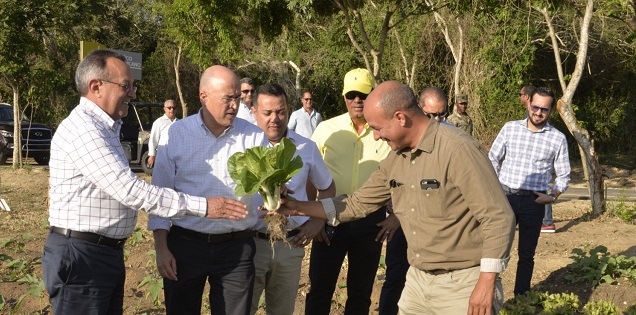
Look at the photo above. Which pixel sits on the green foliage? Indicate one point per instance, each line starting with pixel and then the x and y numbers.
pixel 600 308
pixel 600 267
pixel 542 303
pixel 154 287
pixel 623 208
pixel 264 170
pixel 509 56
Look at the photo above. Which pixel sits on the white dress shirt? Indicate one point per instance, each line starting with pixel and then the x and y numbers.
pixel 245 112
pixel 158 126
pixel 314 169
pixel 92 188
pixel 304 123
pixel 192 160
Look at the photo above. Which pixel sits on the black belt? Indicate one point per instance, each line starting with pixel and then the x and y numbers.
pixel 265 236
pixel 214 238
pixel 519 192
pixel 90 237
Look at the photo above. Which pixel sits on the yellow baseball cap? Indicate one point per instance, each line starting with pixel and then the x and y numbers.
pixel 360 80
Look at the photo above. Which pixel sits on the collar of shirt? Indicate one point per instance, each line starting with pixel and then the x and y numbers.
pixel 99 113
pixel 204 129
pixel 546 127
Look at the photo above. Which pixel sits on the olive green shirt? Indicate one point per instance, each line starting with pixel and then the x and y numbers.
pixel 465 222
pixel 462 122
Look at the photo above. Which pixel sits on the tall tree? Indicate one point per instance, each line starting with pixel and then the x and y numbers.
pixel 564 104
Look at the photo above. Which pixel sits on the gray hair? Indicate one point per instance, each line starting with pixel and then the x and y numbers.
pixel 94 67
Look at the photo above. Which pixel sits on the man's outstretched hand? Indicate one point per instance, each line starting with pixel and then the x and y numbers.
pixel 225 208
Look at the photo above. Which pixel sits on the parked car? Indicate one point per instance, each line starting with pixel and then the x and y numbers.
pixel 36 138
pixel 135 132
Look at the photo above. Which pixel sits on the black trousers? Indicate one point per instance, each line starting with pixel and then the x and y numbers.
pixel 356 240
pixel 82 277
pixel 529 216
pixel 396 267
pixel 228 267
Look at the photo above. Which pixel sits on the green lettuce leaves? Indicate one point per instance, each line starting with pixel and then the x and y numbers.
pixel 264 170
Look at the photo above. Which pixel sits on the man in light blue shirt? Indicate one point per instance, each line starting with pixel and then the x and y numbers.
pixel 305 120
pixel 192 157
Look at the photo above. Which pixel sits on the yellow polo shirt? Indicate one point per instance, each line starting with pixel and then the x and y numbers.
pixel 351 158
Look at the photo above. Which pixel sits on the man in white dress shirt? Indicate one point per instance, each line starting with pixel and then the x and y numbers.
pixel 94 196
pixel 158 126
pixel 245 108
pixel 192 158
pixel 305 120
pixel 278 266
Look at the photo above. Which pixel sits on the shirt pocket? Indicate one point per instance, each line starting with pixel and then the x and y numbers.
pixel 411 201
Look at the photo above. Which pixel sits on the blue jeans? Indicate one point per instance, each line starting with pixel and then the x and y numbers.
pixel 396 267
pixel 356 240
pixel 529 216
pixel 547 218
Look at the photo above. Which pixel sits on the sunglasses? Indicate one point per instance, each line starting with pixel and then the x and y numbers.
pixel 170 107
pixel 435 115
pixel 535 108
pixel 251 91
pixel 351 95
pixel 308 99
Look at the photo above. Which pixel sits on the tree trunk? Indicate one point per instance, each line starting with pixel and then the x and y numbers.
pixel 17 130
pixel 564 106
pixel 177 62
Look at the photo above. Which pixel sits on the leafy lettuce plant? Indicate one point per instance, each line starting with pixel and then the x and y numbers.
pixel 265 170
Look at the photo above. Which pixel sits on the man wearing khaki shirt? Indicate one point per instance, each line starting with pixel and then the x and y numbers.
pixel 457 221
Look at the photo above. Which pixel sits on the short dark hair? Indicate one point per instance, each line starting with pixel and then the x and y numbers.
pixel 272 89
pixel 528 89
pixel 248 81
pixel 94 67
pixel 401 98
pixel 544 91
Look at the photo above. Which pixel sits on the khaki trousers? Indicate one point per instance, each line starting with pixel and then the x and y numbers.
pixel 444 294
pixel 278 273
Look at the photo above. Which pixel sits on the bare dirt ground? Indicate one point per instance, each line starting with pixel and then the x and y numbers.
pixel 24 229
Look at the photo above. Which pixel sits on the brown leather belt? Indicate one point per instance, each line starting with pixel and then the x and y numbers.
pixel 214 238
pixel 90 237
pixel 265 236
pixel 437 272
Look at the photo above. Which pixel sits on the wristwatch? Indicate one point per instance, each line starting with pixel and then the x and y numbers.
pixel 554 197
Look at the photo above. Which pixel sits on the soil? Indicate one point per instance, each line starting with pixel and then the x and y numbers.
pixel 25 227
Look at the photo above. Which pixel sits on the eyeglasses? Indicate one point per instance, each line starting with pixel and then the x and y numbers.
pixel 436 115
pixel 170 108
pixel 127 88
pixel 250 91
pixel 351 95
pixel 535 108
pixel 227 100
pixel 308 99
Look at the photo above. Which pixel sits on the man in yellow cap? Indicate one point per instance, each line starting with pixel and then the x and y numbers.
pixel 351 153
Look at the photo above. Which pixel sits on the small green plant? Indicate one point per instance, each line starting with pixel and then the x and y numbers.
pixel 631 310
pixel 623 209
pixel 154 286
pixel 542 303
pixel 600 308
pixel 600 267
pixel 153 281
